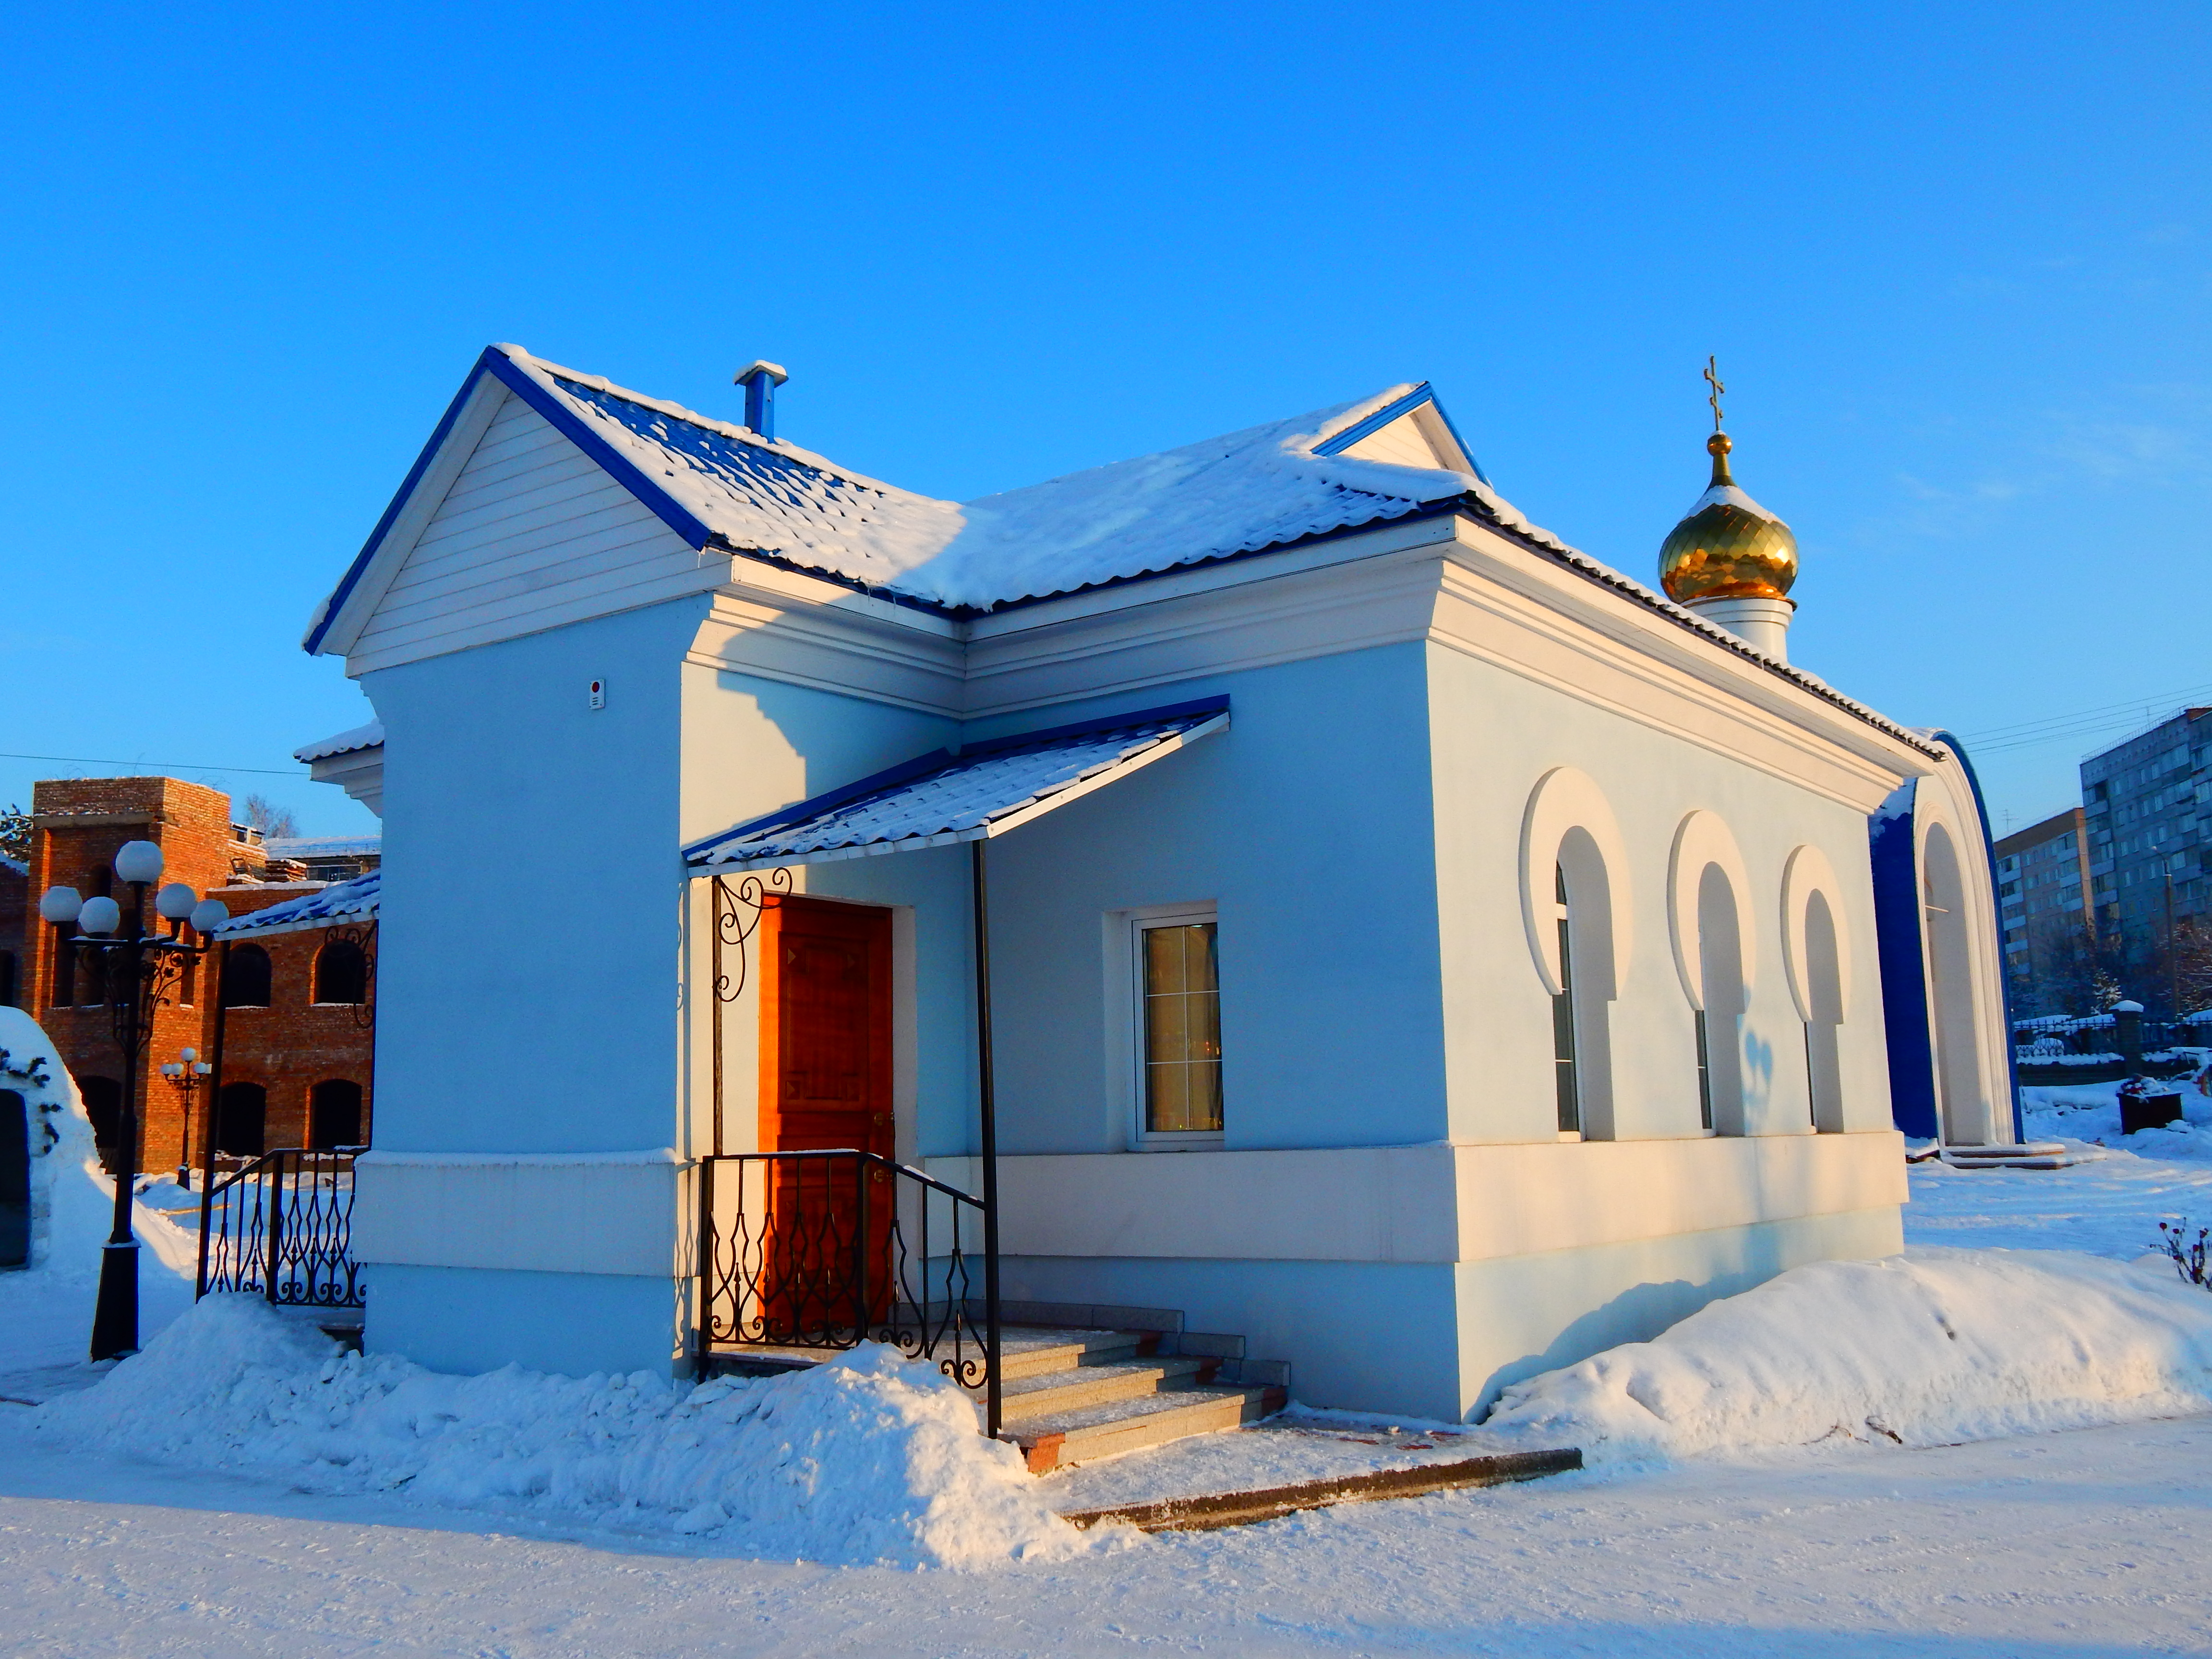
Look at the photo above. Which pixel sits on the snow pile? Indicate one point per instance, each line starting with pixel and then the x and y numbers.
pixel 1932 1347
pixel 868 1458
pixel 72 1200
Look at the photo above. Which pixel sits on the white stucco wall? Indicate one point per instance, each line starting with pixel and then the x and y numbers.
pixel 1358 829
pixel 1496 735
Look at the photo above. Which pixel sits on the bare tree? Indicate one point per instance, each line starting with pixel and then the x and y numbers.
pixel 15 834
pixel 274 822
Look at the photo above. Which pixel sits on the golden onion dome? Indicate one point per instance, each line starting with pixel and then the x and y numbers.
pixel 1726 546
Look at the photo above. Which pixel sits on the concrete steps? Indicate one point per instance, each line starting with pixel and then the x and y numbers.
pixel 1071 1390
pixel 1070 1395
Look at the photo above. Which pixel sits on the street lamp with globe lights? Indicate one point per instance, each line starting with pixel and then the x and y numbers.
pixel 186 1072
pixel 142 971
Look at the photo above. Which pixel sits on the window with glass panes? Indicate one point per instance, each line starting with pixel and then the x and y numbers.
pixel 1182 1028
pixel 1563 1014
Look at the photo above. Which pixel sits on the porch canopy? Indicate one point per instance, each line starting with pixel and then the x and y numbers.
pixel 941 798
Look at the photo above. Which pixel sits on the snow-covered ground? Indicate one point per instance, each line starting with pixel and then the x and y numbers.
pixel 262 1515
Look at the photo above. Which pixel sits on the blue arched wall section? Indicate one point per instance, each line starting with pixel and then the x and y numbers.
pixel 1894 851
pixel 1904 971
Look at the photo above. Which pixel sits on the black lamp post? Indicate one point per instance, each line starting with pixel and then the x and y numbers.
pixel 185 1073
pixel 139 971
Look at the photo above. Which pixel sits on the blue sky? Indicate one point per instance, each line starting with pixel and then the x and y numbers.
pixel 1956 262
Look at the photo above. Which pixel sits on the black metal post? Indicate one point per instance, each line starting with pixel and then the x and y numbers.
pixel 703 1341
pixel 275 1228
pixel 988 1109
pixel 115 1314
pixel 208 1129
pixel 862 1171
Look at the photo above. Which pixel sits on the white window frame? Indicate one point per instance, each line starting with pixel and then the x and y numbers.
pixel 1125 1020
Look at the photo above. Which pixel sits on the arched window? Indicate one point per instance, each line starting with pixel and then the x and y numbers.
pixel 1574 894
pixel 1824 1085
pixel 1720 1019
pixel 61 989
pixel 1816 950
pixel 245 977
pixel 342 972
pixel 334 1113
pixel 241 1117
pixel 103 1104
pixel 1568 1086
pixel 1713 956
pixel 91 978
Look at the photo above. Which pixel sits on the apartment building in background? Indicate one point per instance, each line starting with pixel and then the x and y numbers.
pixel 2147 804
pixel 2045 917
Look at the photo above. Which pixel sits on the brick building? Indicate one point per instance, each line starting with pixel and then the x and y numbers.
pixel 296 1001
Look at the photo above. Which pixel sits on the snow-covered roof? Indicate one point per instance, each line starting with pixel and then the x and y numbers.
pixel 14 866
pixel 321 847
pixel 1259 488
pixel 725 486
pixel 940 798
pixel 341 902
pixel 370 736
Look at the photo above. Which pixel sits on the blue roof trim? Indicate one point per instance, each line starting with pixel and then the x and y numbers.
pixel 1459 438
pixel 624 471
pixel 1381 418
pixel 343 591
pixel 1213 705
pixel 1423 393
pixel 501 368
pixel 890 777
pixel 937 759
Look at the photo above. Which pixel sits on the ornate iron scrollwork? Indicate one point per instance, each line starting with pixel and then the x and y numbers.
pixel 363 937
pixel 738 908
pixel 812 1250
pixel 737 918
pixel 282 1227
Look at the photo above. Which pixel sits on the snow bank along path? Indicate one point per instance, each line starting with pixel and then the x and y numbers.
pixel 867 1458
pixel 1931 1347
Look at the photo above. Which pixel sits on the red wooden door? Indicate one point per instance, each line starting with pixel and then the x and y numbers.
pixel 826 1083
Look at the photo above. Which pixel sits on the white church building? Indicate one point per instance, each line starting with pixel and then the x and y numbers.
pixel 1413 945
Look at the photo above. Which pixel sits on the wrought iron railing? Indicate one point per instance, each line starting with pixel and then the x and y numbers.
pixel 823 1250
pixel 282 1226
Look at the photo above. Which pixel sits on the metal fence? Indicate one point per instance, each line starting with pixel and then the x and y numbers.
pixel 280 1226
pixel 822 1250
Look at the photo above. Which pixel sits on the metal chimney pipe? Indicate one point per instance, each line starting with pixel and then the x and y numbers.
pixel 760 380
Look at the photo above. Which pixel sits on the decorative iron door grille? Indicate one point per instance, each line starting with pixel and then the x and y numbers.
pixel 823 1250
pixel 282 1226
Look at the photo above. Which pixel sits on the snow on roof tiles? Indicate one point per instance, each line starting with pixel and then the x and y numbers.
pixel 370 736
pixel 1259 488
pixel 942 798
pixel 1264 487
pixel 342 902
pixel 321 847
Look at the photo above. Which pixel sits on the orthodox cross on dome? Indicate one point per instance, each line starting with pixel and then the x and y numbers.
pixel 1713 380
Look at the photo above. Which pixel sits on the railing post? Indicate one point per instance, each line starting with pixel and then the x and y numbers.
pixel 703 1316
pixel 987 1111
pixel 275 1177
pixel 862 1169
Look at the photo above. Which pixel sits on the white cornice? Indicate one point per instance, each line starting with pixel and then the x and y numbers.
pixel 1450 580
